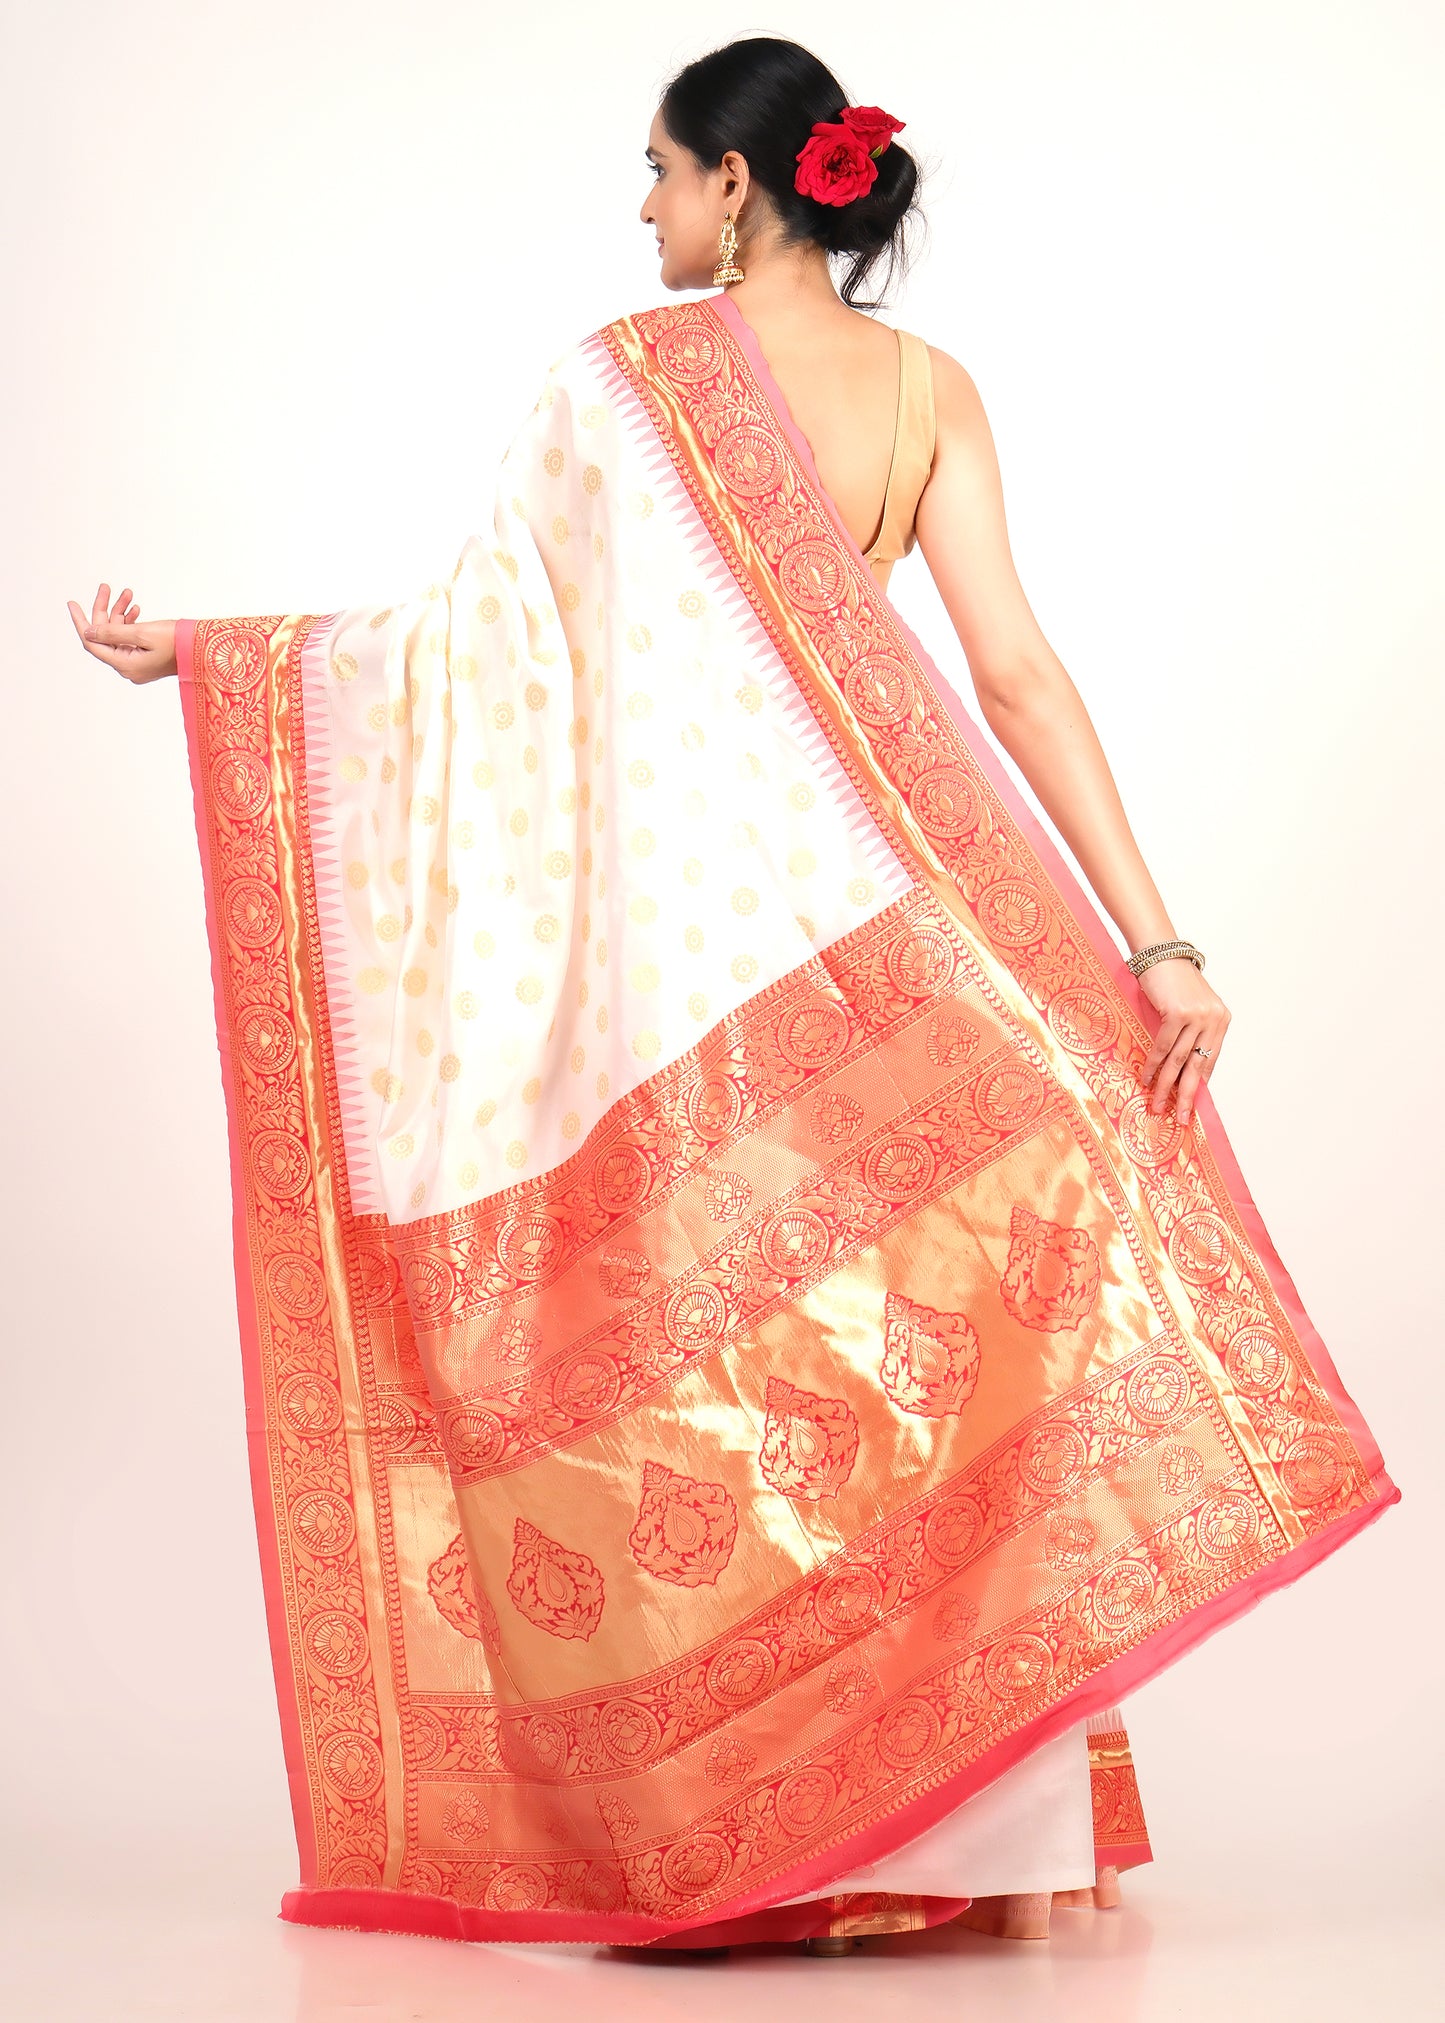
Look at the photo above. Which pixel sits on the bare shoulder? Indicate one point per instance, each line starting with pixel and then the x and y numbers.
pixel 956 398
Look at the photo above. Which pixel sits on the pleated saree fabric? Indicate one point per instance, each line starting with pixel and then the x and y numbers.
pixel 733 1364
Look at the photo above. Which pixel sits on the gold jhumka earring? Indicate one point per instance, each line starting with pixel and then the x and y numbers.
pixel 727 268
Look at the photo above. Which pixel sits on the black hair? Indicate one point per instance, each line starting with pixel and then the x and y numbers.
pixel 761 95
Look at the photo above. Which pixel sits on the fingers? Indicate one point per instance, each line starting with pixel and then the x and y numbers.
pixel 1173 1061
pixel 92 630
pixel 121 611
pixel 1200 1068
pixel 1188 1082
pixel 1185 1068
pixel 1168 1032
pixel 1173 1041
pixel 124 646
pixel 1198 1071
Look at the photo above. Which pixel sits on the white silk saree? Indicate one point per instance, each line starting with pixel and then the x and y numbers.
pixel 733 1363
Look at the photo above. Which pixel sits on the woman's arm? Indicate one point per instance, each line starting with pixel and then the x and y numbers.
pixel 1038 716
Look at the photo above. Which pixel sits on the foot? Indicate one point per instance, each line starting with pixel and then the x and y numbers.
pixel 1009 1917
pixel 1102 1896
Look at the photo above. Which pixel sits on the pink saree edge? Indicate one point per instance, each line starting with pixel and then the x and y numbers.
pixel 246 1310
pixel 1092 924
pixel 374 1910
pixel 406 1911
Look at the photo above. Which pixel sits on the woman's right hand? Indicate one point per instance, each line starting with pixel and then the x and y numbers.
pixel 139 652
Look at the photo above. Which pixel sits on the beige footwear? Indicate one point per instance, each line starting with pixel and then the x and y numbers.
pixel 1009 1917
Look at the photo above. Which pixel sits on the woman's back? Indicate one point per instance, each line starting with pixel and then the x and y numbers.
pixel 862 394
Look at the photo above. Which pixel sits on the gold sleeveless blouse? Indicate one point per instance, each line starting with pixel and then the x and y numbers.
pixel 914 436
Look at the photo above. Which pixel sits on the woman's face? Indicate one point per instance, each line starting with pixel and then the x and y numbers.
pixel 685 208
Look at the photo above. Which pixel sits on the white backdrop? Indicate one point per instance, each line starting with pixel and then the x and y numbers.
pixel 283 281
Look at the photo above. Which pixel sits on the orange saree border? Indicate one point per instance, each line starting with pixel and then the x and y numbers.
pixel 619 1328
pixel 946 807
pixel 317 1447
pixel 1121 1838
pixel 235 680
pixel 316 1285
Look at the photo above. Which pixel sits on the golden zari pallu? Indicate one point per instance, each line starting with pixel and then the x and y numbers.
pixel 733 1362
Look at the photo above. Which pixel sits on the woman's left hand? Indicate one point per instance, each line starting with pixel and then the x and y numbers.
pixel 1191 1014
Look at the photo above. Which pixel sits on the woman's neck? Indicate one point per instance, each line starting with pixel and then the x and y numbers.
pixel 787 291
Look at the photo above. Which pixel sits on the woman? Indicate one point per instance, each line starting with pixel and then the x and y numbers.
pixel 754 1341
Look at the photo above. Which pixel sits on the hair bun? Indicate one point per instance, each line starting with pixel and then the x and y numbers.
pixel 848 189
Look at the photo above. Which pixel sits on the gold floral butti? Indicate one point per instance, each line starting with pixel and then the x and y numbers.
pixel 732 1361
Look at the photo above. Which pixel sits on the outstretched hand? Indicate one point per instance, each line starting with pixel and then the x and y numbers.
pixel 1191 1016
pixel 139 652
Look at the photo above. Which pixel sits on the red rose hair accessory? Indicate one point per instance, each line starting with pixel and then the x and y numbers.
pixel 840 162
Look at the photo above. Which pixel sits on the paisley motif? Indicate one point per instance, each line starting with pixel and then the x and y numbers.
pixel 810 1443
pixel 930 1359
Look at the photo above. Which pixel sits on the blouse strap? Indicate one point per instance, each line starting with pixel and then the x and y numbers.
pixel 920 422
pixel 913 448
pixel 900 407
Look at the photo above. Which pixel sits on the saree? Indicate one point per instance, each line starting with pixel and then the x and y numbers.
pixel 732 1362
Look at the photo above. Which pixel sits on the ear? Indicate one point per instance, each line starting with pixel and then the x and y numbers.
pixel 736 178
